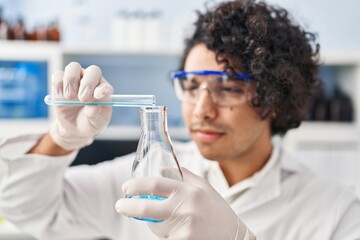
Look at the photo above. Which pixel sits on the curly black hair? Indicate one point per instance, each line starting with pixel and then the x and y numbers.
pixel 262 41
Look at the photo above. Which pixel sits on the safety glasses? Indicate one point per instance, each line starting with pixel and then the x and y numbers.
pixel 224 89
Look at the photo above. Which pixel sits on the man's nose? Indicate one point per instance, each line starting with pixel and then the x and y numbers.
pixel 205 106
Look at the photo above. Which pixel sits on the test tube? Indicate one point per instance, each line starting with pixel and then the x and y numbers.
pixel 115 100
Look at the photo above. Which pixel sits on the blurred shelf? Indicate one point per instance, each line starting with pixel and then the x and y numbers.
pixel 114 51
pixel 15 127
pixel 324 136
pixel 19 45
pixel 326 132
pixel 33 50
pixel 329 57
pixel 340 58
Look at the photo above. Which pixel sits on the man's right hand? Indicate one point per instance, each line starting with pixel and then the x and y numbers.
pixel 76 127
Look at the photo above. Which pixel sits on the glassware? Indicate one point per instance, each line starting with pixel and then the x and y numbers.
pixel 155 155
pixel 114 100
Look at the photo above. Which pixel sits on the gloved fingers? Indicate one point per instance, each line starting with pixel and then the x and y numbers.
pixel 57 83
pixel 90 80
pixel 143 208
pixel 71 80
pixel 103 90
pixel 173 229
pixel 158 186
pixel 91 112
pixel 98 116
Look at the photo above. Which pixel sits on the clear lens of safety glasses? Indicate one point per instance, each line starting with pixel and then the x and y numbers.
pixel 225 91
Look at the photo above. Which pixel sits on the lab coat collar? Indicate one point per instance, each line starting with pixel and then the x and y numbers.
pixel 263 186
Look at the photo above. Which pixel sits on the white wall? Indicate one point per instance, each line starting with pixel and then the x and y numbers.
pixel 335 21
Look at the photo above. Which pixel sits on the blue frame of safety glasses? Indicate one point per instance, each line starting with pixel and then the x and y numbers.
pixel 178 74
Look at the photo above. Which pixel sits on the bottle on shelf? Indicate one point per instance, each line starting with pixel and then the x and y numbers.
pixel 41 33
pixel 19 30
pixel 53 33
pixel 32 35
pixel 118 32
pixel 3 30
pixel 153 31
pixel 4 26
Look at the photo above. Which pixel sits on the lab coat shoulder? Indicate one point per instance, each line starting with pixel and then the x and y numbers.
pixel 339 207
pixel 303 184
pixel 329 206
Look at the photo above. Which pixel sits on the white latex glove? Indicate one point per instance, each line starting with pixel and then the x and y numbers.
pixel 192 210
pixel 75 127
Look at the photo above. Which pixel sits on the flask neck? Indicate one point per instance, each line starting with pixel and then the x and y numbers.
pixel 154 119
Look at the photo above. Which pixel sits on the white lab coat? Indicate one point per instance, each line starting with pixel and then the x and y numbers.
pixel 283 201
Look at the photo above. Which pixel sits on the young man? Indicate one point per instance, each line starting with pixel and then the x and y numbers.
pixel 247 73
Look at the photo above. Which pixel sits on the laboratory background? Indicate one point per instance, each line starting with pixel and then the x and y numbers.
pixel 138 43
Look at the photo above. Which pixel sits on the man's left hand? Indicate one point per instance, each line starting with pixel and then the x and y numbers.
pixel 192 209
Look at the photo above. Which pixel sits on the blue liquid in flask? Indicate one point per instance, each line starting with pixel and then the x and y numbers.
pixel 150 197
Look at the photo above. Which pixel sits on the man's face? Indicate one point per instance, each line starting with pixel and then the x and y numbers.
pixel 222 132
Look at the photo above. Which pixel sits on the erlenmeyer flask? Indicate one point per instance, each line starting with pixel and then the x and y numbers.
pixel 155 155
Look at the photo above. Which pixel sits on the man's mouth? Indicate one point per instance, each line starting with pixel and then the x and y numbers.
pixel 207 135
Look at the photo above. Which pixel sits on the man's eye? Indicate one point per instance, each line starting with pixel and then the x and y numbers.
pixel 190 86
pixel 232 90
